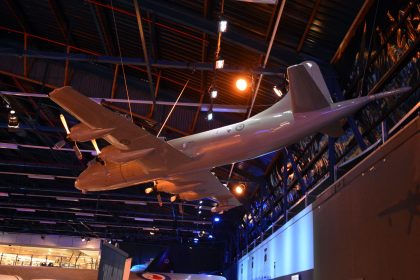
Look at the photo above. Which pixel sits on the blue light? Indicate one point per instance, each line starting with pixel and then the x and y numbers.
pixel 216 219
pixel 210 236
pixel 196 240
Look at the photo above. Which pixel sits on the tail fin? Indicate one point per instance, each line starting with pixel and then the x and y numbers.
pixel 307 87
pixel 309 92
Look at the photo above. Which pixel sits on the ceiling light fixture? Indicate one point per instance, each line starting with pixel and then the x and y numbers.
pixel 210 116
pixel 241 84
pixel 223 25
pixel 277 91
pixel 213 92
pixel 239 189
pixel 220 63
pixel 13 121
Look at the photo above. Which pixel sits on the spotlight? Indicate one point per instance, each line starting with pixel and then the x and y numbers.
pixel 241 84
pixel 109 241
pixel 210 236
pixel 210 116
pixel 220 62
pixel 199 212
pixel 13 121
pixel 277 91
pixel 216 219
pixel 239 189
pixel 213 93
pixel 148 190
pixel 223 25
pixel 152 233
pixel 200 202
pixel 83 239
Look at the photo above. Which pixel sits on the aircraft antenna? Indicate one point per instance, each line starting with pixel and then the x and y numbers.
pixel 173 107
pixel 121 61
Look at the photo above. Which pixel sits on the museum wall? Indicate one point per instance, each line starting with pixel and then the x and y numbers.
pixel 365 226
pixel 368 226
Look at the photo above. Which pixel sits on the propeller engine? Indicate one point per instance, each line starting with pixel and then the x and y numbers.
pixel 81 133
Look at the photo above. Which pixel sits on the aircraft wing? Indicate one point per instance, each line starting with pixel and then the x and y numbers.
pixel 198 185
pixel 123 134
pixel 126 136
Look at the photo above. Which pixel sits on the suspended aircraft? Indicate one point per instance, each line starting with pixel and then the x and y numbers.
pixel 182 166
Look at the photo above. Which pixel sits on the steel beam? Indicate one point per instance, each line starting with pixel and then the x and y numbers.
pixel 145 51
pixel 161 64
pixel 308 25
pixel 61 21
pixel 203 75
pixel 114 81
pixel 103 29
pixel 17 14
pixel 352 30
pixel 281 54
pixel 204 107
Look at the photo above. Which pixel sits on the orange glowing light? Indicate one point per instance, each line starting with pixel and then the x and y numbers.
pixel 241 84
pixel 239 189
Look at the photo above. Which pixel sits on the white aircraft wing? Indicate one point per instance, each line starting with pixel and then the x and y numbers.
pixel 198 185
pixel 124 135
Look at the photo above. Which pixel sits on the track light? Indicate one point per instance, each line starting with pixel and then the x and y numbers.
pixel 13 121
pixel 241 84
pixel 213 92
pixel 277 91
pixel 239 189
pixel 210 116
pixel 223 25
pixel 220 63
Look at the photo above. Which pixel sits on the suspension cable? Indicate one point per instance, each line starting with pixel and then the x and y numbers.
pixel 122 63
pixel 173 107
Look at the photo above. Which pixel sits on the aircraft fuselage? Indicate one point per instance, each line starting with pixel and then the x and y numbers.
pixel 263 133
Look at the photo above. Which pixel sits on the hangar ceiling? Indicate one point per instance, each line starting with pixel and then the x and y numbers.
pixel 50 43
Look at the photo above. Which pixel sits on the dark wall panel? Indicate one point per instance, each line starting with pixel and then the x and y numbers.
pixel 370 227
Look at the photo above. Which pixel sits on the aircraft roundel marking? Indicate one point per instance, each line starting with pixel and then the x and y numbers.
pixel 239 127
pixel 154 276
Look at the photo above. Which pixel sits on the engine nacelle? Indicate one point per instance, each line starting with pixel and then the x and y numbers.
pixel 82 133
pixel 112 154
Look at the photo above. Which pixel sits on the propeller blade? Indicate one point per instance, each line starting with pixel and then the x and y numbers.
pixel 159 198
pixel 60 144
pixel 181 208
pixel 64 122
pixel 77 151
pixel 95 145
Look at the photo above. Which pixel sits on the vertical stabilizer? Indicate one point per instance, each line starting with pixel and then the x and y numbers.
pixel 307 87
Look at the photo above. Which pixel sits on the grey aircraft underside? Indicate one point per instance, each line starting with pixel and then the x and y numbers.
pixel 182 166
